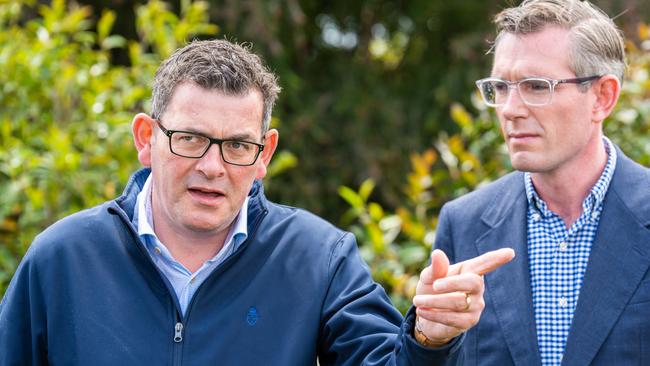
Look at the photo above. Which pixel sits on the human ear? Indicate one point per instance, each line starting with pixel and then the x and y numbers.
pixel 270 144
pixel 142 129
pixel 607 90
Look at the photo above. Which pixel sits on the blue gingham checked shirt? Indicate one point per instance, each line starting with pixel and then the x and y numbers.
pixel 558 258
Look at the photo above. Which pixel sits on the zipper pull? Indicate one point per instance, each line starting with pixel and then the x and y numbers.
pixel 178 332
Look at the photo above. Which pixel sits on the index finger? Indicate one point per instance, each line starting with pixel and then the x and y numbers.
pixel 485 263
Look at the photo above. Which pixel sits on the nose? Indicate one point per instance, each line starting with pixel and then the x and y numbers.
pixel 514 106
pixel 211 164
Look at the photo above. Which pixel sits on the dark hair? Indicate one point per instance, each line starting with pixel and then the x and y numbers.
pixel 215 64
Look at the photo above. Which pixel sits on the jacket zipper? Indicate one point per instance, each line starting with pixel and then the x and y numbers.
pixel 177 341
pixel 178 332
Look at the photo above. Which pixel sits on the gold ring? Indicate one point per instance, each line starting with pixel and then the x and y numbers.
pixel 468 301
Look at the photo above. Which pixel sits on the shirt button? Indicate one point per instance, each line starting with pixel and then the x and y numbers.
pixel 563 302
pixel 594 215
pixel 193 280
pixel 563 246
pixel 536 217
pixel 157 249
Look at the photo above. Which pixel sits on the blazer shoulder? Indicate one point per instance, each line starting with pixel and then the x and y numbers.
pixel 631 183
pixel 494 194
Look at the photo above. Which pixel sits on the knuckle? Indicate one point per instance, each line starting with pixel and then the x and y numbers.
pixel 475 320
pixel 477 280
pixel 480 304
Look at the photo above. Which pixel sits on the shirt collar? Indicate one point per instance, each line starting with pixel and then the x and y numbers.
pixel 596 194
pixel 236 235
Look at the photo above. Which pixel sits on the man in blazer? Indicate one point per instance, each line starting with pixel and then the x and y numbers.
pixel 576 211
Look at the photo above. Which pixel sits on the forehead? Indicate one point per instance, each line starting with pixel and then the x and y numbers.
pixel 543 53
pixel 213 111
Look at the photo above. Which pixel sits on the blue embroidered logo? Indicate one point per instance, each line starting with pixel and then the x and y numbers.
pixel 252 316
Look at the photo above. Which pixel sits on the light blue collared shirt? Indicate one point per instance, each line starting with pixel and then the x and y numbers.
pixel 185 283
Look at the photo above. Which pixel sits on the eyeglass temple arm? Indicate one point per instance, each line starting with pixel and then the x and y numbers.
pixel 579 80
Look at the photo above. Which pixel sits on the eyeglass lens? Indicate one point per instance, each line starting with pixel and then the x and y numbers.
pixel 195 146
pixel 531 91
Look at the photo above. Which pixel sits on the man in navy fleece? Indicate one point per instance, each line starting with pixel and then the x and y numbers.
pixel 192 265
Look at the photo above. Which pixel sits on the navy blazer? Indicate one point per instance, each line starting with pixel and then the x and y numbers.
pixel 611 323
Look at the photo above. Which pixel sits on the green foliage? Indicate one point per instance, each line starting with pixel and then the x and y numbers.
pixel 364 84
pixel 396 243
pixel 629 127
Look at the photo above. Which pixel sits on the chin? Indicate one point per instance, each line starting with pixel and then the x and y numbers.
pixel 202 225
pixel 532 168
pixel 207 227
pixel 525 164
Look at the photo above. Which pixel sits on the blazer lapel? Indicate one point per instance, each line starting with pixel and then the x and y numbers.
pixel 618 261
pixel 508 289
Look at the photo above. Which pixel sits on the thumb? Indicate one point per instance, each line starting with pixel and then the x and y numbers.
pixel 439 264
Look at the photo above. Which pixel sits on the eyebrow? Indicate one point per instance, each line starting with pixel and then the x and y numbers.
pixel 241 137
pixel 531 73
pixel 523 77
pixel 238 136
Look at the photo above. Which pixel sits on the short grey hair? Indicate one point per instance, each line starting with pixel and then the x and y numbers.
pixel 597 46
pixel 215 65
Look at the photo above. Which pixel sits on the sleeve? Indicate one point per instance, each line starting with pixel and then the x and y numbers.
pixel 360 326
pixel 22 318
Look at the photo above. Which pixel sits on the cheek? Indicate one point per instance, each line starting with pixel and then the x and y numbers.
pixel 260 171
pixel 567 124
pixel 502 124
pixel 170 169
pixel 241 180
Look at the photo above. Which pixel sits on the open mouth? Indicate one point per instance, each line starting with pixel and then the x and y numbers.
pixel 205 194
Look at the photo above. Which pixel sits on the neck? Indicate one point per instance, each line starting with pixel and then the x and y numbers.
pixel 565 189
pixel 191 249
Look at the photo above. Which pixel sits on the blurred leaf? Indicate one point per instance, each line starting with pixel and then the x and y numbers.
pixel 105 24
pixel 460 116
pixel 282 161
pixel 376 211
pixel 412 255
pixel 351 197
pixel 366 189
pixel 113 42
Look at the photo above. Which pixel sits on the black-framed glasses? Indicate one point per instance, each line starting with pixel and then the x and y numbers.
pixel 195 145
pixel 532 91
